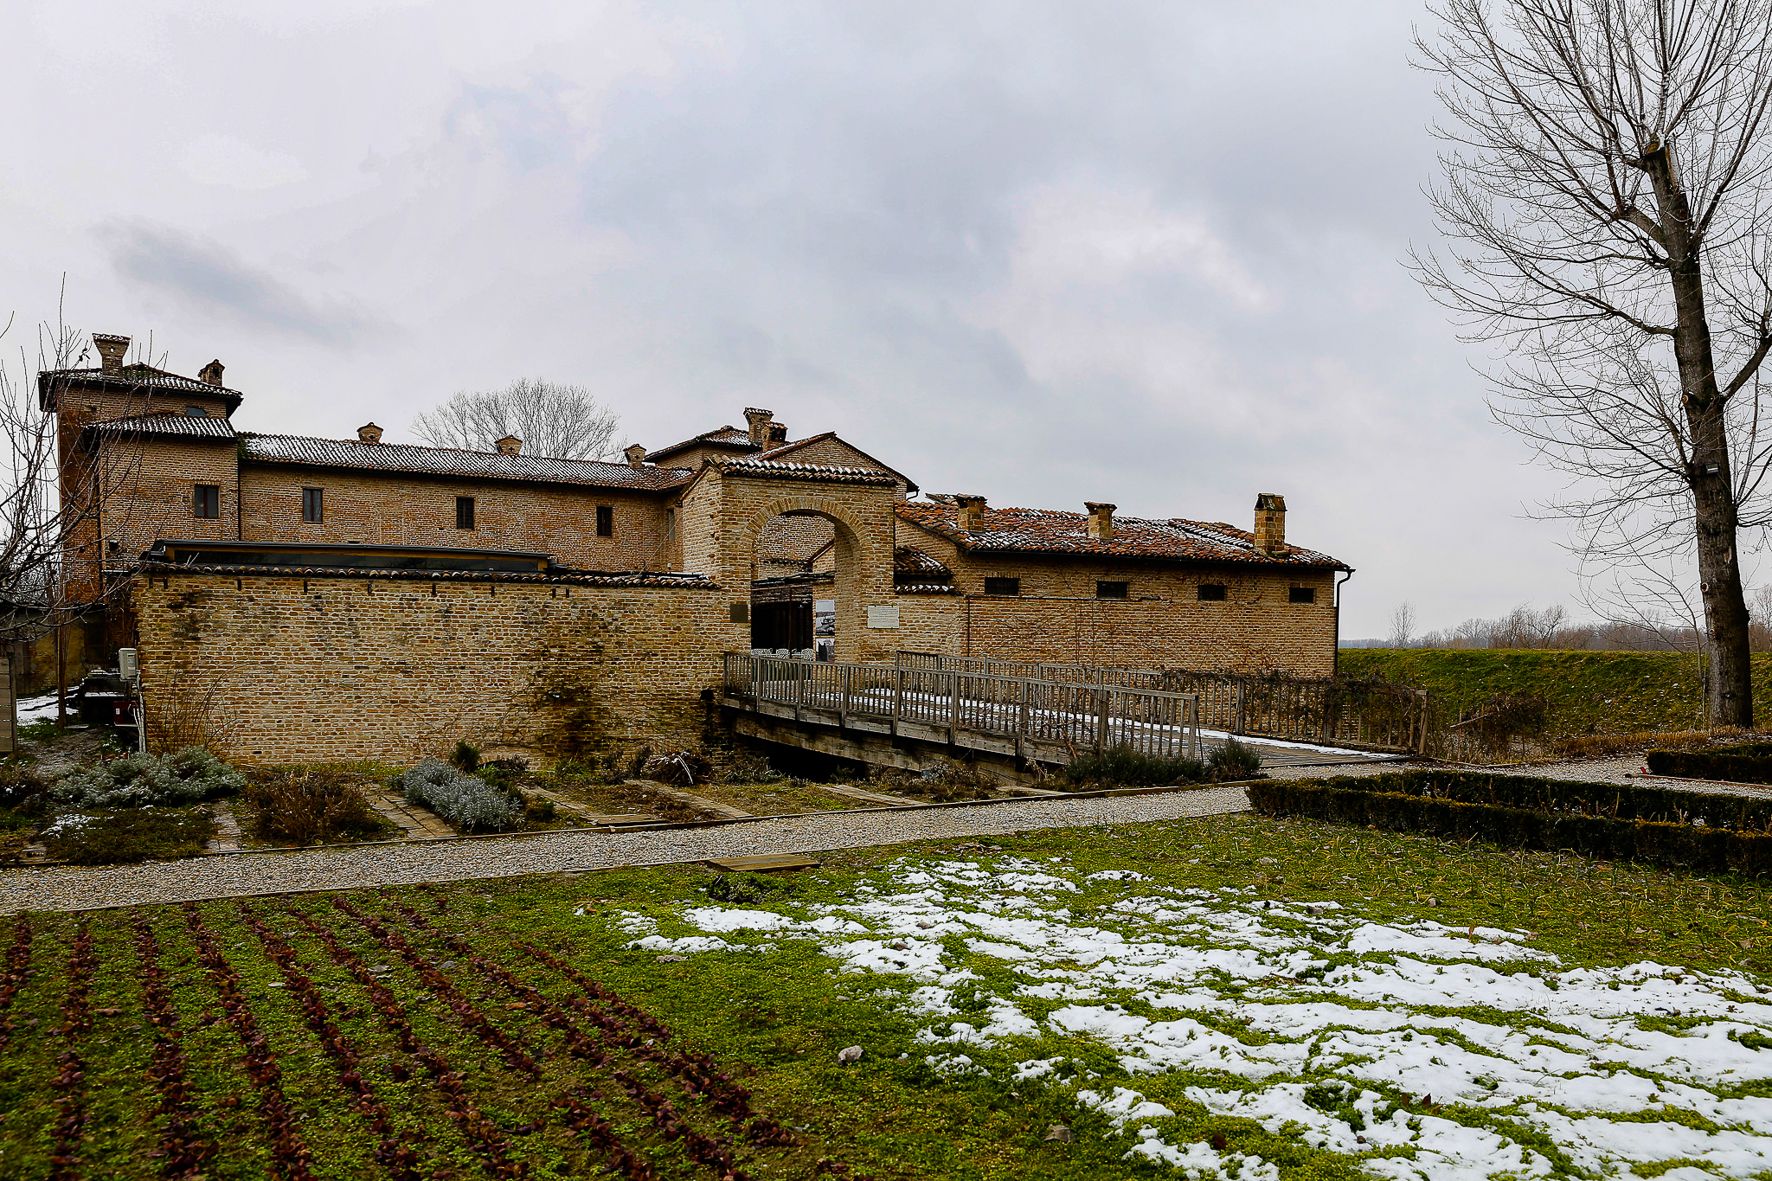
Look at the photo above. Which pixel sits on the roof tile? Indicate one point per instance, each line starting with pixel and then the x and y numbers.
pixel 182 425
pixel 411 459
pixel 1045 531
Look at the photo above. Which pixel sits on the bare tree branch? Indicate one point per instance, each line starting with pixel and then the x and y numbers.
pixel 558 421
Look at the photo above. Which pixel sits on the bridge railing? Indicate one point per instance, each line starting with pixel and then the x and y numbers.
pixel 1335 711
pixel 1064 714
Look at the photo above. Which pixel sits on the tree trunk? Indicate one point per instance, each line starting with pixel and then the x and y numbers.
pixel 1729 690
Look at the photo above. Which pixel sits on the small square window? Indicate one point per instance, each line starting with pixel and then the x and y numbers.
pixel 313 505
pixel 464 512
pixel 1212 592
pixel 1002 586
pixel 605 520
pixel 206 501
pixel 1112 589
pixel 1301 594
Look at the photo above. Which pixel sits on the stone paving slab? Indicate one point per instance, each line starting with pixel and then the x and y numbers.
pixel 67 887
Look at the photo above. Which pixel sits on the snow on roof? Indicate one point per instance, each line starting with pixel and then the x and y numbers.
pixel 1047 531
pixel 412 459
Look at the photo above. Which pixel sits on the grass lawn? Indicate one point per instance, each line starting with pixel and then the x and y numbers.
pixel 1178 997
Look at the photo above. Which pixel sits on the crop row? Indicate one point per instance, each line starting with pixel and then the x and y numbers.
pixel 14 973
pixel 290 1156
pixel 70 1077
pixel 713 1152
pixel 486 1137
pixel 184 1152
pixel 398 1158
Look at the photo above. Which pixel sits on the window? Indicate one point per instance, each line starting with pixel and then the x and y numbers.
pixel 464 512
pixel 605 520
pixel 1112 589
pixel 1301 594
pixel 206 501
pixel 1002 586
pixel 313 505
pixel 196 412
pixel 1212 592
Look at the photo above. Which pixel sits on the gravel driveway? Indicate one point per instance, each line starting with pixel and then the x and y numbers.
pixel 350 867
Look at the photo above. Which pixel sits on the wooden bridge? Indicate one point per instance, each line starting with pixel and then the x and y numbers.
pixel 838 708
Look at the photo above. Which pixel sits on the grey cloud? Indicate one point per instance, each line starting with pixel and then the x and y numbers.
pixel 215 280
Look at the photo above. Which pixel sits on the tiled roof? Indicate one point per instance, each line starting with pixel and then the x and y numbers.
pixel 183 425
pixel 555 576
pixel 411 459
pixel 909 560
pixel 136 376
pixel 720 436
pixel 831 473
pixel 1043 531
pixel 790 448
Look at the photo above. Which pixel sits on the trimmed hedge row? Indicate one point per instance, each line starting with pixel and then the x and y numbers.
pixel 1743 762
pixel 1690 830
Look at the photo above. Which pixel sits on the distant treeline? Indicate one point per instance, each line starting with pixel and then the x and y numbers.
pixel 1550 628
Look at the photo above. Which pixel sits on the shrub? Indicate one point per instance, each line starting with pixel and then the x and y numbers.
pixel 184 777
pixel 136 834
pixel 945 783
pixel 1743 762
pixel 41 730
pixel 1232 760
pixel 469 803
pixel 465 756
pixel 1693 830
pixel 307 807
pixel 683 768
pixel 1124 766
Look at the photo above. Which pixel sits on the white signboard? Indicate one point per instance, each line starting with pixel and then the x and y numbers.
pixel 883 616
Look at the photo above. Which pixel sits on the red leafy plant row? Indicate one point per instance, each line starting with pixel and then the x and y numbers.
pixel 70 1077
pixel 476 1127
pixel 713 1152
pixel 184 1152
pixel 468 1013
pixel 290 1156
pixel 14 974
pixel 647 1037
pixel 399 1158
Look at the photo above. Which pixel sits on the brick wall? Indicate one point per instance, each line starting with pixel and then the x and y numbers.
pixel 403 510
pixel 1163 624
pixel 289 669
pixel 148 487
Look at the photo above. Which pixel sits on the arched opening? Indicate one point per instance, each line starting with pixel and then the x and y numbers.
pixel 803 570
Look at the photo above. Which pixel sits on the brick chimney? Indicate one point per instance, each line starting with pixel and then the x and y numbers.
pixel 509 445
pixel 211 373
pixel 369 433
pixel 636 454
pixel 1270 523
pixel 971 512
pixel 760 421
pixel 1101 520
pixel 110 350
pixel 778 433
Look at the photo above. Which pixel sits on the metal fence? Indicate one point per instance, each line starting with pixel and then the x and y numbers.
pixel 1333 711
pixel 1068 714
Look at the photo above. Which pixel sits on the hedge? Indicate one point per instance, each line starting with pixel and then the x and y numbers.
pixel 1691 830
pixel 1745 762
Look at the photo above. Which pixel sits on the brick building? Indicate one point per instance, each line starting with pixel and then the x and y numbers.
pixel 244 560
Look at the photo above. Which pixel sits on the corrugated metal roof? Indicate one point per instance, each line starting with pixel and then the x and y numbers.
pixel 406 458
pixel 1045 531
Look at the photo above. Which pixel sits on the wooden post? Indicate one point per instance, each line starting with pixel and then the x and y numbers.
pixel 897 698
pixel 953 707
pixel 1101 719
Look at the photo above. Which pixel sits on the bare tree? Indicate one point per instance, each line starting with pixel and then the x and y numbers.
pixel 1607 196
pixel 1402 624
pixel 560 421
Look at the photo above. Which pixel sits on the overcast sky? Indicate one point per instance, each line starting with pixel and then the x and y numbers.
pixel 1144 253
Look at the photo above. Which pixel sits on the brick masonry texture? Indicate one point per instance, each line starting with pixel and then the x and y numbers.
pixel 289 669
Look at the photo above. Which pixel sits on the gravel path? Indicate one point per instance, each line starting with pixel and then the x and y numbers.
pixel 86 888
